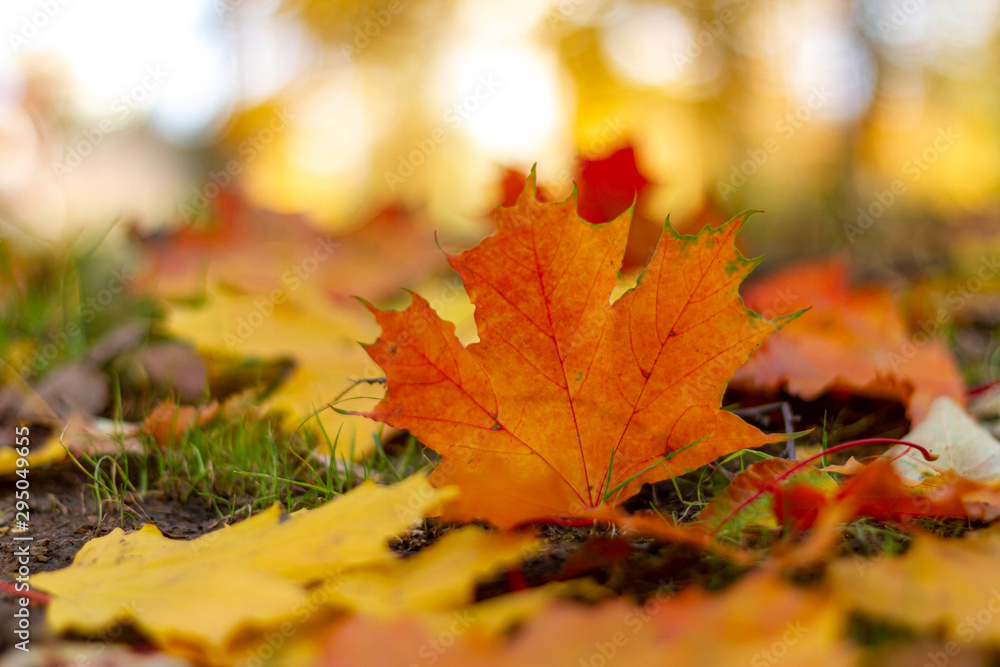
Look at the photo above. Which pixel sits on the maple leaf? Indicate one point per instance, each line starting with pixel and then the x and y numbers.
pixel 193 597
pixel 437 579
pixel 567 398
pixel 49 452
pixel 168 422
pixel 316 331
pixel 852 339
pixel 274 286
pixel 607 186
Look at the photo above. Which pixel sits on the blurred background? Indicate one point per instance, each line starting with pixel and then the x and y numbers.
pixel 192 191
pixel 870 127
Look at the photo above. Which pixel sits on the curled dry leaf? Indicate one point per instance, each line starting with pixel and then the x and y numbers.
pixel 165 369
pixel 568 400
pixel 80 435
pixel 959 441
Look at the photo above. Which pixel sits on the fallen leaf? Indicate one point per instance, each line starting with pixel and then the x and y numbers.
pixel 71 390
pixel 959 441
pixel 567 397
pixel 76 387
pixel 762 475
pixel 84 435
pixel 433 634
pixel 80 435
pixel 256 252
pixel 320 336
pixel 194 597
pixel 436 586
pixel 785 622
pixel 608 186
pixel 879 492
pixel 164 368
pixel 124 337
pixel 49 452
pixel 438 579
pixel 76 654
pixel 853 340
pixel 168 422
pixel 950 585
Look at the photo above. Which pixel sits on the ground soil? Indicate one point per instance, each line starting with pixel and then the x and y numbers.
pixel 65 515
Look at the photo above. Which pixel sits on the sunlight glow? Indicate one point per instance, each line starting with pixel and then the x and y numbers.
pixel 170 61
pixel 649 44
pixel 330 133
pixel 507 99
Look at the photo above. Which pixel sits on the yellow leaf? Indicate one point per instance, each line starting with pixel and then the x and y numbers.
pixel 438 579
pixel 51 451
pixel 947 584
pixel 321 336
pixel 195 597
pixel 316 332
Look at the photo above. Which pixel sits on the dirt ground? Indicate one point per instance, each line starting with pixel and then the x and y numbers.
pixel 65 515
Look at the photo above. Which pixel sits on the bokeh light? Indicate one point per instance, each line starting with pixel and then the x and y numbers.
pixel 141 111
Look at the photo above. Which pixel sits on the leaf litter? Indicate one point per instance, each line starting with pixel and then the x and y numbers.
pixel 534 591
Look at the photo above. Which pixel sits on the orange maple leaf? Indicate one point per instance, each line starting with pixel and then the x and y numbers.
pixel 854 340
pixel 569 399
